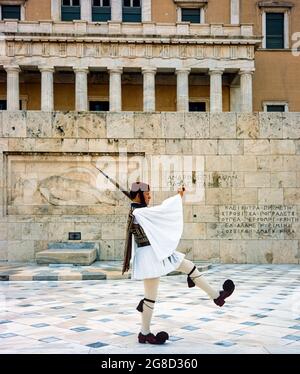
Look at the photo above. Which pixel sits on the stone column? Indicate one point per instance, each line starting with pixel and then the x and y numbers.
pixel 81 89
pixel 115 89
pixel 235 98
pixel 86 10
pixel 216 90
pixel 55 10
pixel 149 89
pixel 47 94
pixel 183 89
pixel 235 12
pixel 13 89
pixel 146 11
pixel 246 90
pixel 116 10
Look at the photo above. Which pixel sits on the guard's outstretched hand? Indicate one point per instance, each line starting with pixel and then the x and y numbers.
pixel 181 191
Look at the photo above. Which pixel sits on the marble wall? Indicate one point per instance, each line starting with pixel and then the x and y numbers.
pixel 249 174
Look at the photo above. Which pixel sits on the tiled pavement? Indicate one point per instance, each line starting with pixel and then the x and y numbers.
pixel 99 270
pixel 28 272
pixel 263 315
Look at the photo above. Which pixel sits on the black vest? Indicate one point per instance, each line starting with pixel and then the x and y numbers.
pixel 139 236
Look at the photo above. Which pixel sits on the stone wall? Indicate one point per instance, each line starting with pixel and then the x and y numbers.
pixel 249 212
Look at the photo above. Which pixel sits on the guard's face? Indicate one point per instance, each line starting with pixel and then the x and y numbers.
pixel 147 197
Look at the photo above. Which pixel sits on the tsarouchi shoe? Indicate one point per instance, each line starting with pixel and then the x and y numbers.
pixel 228 288
pixel 159 338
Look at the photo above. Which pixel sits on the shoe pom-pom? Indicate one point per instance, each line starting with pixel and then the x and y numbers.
pixel 228 285
pixel 162 336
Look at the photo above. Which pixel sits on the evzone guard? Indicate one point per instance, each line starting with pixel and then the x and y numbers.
pixel 152 236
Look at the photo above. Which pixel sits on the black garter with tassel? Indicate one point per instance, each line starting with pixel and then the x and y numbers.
pixel 140 306
pixel 190 281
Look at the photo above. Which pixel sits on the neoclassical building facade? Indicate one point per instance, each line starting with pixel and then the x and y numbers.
pixel 143 55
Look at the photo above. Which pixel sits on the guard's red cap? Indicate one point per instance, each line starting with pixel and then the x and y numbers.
pixel 136 186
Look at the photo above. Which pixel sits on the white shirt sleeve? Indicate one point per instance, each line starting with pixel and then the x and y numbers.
pixel 163 225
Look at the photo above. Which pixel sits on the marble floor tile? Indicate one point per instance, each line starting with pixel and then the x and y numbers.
pixel 262 316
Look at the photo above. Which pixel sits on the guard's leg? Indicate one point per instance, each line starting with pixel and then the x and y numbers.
pixel 150 292
pixel 188 267
pixel 146 307
pixel 196 278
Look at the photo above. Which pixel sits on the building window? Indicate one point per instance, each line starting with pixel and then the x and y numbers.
pixel 132 11
pixel 275 106
pixel 99 106
pixel 101 11
pixel 192 11
pixel 11 12
pixel 70 10
pixel 274 30
pixel 199 106
pixel 192 15
pixel 3 105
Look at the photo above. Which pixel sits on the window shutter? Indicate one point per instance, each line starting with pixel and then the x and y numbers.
pixel 101 13
pixel 275 30
pixel 70 13
pixel 132 14
pixel 190 15
pixel 11 12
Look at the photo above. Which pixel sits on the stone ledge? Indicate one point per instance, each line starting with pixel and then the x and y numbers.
pixel 68 253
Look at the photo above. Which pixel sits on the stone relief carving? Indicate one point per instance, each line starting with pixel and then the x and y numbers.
pixel 100 50
pixel 66 189
pixel 75 187
pixel 58 182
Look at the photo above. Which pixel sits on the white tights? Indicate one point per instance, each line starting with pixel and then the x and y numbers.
pixel 186 267
pixel 151 288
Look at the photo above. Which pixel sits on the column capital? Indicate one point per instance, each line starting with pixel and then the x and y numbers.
pixel 216 71
pixel 115 70
pixel 246 71
pixel 182 71
pixel 49 69
pixel 150 70
pixel 80 69
pixel 12 68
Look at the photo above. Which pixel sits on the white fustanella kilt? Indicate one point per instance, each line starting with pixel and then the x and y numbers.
pixel 146 265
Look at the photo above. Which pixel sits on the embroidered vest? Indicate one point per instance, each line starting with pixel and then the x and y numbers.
pixel 139 236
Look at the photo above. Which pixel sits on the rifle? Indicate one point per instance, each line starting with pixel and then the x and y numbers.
pixel 125 192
